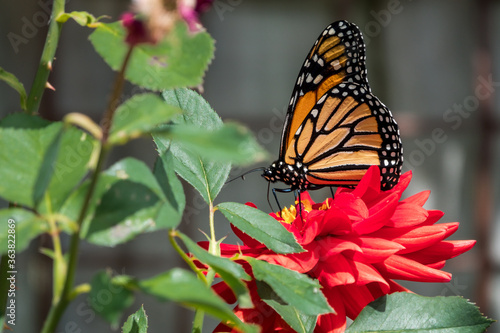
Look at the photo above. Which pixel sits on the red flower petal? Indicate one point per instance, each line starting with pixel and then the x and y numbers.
pixel 376 249
pixel 441 251
pixel 300 262
pixel 355 299
pixel 434 216
pixel 353 207
pixel 407 215
pixel 402 268
pixel 223 290
pixel 335 323
pixel 418 199
pixel 369 187
pixel 334 222
pixel 379 216
pixel 367 274
pixel 335 271
pixel 332 246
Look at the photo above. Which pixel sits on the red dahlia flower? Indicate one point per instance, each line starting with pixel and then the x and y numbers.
pixel 357 244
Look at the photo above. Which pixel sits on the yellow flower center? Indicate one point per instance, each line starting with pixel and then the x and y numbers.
pixel 289 214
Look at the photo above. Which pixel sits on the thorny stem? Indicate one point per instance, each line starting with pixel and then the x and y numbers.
pixel 45 66
pixel 68 293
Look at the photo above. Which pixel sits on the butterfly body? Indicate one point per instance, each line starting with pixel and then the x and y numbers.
pixel 335 128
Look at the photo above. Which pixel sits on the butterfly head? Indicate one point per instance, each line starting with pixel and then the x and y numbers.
pixel 292 175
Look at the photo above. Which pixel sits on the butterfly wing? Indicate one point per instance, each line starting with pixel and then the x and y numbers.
pixel 338 55
pixel 346 132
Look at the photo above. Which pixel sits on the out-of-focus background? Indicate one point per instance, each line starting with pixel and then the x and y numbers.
pixel 435 64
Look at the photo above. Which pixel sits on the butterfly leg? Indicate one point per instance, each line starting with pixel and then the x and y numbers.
pixel 300 205
pixel 331 191
pixel 282 190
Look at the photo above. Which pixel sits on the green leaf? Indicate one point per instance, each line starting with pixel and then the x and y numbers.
pixel 405 312
pixel 170 213
pixel 126 210
pixel 300 322
pixel 21 157
pixel 47 168
pixel 136 322
pixel 12 81
pixel 231 143
pixel 295 289
pixel 230 272
pixel 136 171
pixel 20 120
pixel 72 164
pixel 260 226
pixel 183 287
pixel 35 151
pixel 205 175
pixel 108 299
pixel 128 200
pixel 138 116
pixel 179 60
pixel 82 18
pixel 27 226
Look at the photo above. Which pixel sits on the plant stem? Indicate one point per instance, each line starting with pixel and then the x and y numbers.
pixel 45 66
pixel 115 97
pixel 59 263
pixel 198 321
pixel 171 237
pixel 214 249
pixel 57 310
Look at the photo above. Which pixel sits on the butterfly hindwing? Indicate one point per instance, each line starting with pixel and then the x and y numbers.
pixel 346 132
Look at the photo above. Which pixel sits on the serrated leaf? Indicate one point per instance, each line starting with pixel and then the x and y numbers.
pixel 136 171
pixel 27 227
pixel 183 287
pixel 170 213
pixel 138 116
pixel 406 312
pixel 12 81
pixel 229 271
pixel 126 210
pixel 260 226
pixel 108 299
pixel 136 322
pixel 231 143
pixel 21 120
pixel 128 200
pixel 204 174
pixel 295 289
pixel 47 168
pixel 179 60
pixel 32 155
pixel 300 322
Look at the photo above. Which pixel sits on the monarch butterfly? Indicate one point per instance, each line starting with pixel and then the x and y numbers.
pixel 335 128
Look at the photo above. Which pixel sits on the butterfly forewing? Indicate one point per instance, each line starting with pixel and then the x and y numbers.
pixel 338 55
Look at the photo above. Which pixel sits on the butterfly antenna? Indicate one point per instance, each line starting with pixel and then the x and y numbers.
pixel 245 173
